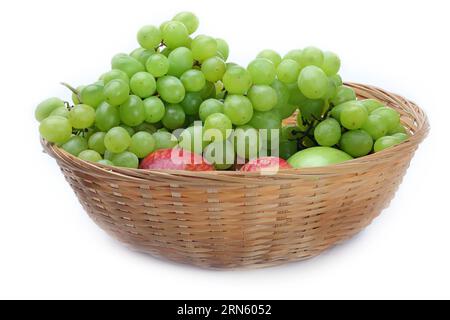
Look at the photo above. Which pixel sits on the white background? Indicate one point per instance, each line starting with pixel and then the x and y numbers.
pixel 50 249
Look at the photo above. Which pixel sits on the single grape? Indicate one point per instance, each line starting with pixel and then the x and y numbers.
pixel 92 95
pixel 401 136
pixel 263 97
pixel 223 48
pixel 371 104
pixel 287 149
pixel 126 159
pixel 193 80
pixel 221 154
pixel 46 107
pixel 108 155
pixel 132 112
pixel 114 75
pixel 142 55
pixel 266 122
pixel 143 84
pixel 238 109
pixel 180 60
pixel 386 142
pixel 164 140
pixel 246 142
pixel 127 64
pixel 356 143
pixel 313 82
pixel 208 91
pixel 75 145
pixel 214 68
pixel 312 109
pixel 171 89
pixel 90 155
pixel 390 116
pixel 237 80
pixel 217 127
pixel 116 92
pixel 149 37
pixel 175 34
pixel 82 116
pixel 331 90
pixel 106 117
pixel 398 129
pixel 97 142
pixel 283 107
pixel 76 95
pixel 56 129
pixel 337 80
pixel 191 139
pixel 142 144
pixel 343 94
pixel 210 106
pixel 154 109
pixel 174 117
pixel 262 71
pixel 189 20
pixel 353 115
pixel 117 140
pixel 60 111
pixel 375 126
pixel 271 55
pixel 328 132
pixel 157 65
pixel 288 71
pixel 331 63
pixel 105 162
pixel 203 47
pixel 312 56
pixel 191 103
pixel 146 127
pixel 295 55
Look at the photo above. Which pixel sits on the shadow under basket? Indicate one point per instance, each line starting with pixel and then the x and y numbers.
pixel 226 220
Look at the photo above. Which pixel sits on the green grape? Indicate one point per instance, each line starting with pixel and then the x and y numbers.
pixel 246 142
pixel 117 140
pixel 142 55
pixel 214 68
pixel 223 48
pixel 60 111
pixel 398 129
pixel 143 84
pixel 295 96
pixel 46 107
pixel 312 56
pixel 220 154
pixel 56 129
pixel 190 120
pixel 142 144
pixel 283 107
pixel 76 95
pixel 295 55
pixel 390 116
pixel 157 65
pixel 174 117
pixel 154 109
pixel 331 63
pixel 337 80
pixel 114 75
pixel 147 127
pixel 191 139
pixel 217 127
pixel 116 92
pixel 343 94
pixel 126 159
pixel 313 82
pixel 265 120
pixel 127 64
pixel 238 109
pixel 288 71
pixel 356 143
pixel 386 142
pixel 237 80
pixel 287 149
pixel 129 129
pixel 371 104
pixel 106 117
pixel 331 90
pixel 82 116
pixel 75 145
pixel 328 132
pixel 375 126
pixel 401 136
pixel 262 71
pixel 108 155
pixel 105 162
pixel 171 89
pixel 208 91
pixel 193 80
pixel 189 20
pixel 263 98
pixel 175 34
pixel 149 37
pixel 180 60
pixel 353 115
pixel 97 142
pixel 203 47
pixel 210 106
pixel 166 51
pixel 132 112
pixel 92 95
pixel 90 155
pixel 312 109
pixel 191 103
pixel 164 140
pixel 270 55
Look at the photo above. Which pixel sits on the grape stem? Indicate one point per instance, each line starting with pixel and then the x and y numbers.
pixel 74 91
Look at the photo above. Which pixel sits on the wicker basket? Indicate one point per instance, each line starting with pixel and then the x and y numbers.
pixel 238 220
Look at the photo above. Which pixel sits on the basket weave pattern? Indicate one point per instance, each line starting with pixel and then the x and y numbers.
pixel 237 220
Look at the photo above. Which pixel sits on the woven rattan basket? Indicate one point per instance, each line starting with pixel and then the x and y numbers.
pixel 238 220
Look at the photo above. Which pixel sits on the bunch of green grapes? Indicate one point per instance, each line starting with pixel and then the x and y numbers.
pixel 178 90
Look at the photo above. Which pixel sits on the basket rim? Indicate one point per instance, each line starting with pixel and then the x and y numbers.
pixel 422 129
